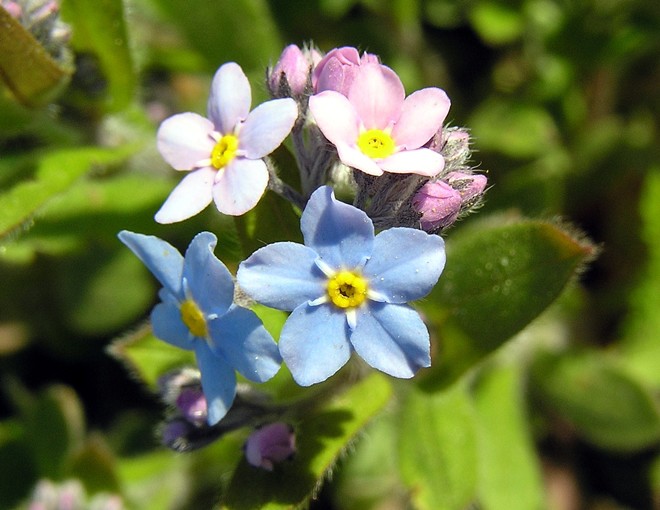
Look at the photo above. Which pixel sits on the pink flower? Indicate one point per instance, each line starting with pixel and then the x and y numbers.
pixel 337 70
pixel 224 152
pixel 376 128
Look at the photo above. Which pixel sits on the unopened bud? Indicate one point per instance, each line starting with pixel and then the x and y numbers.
pixel 270 444
pixel 438 203
pixel 337 70
pixel 470 186
pixel 191 403
pixel 291 74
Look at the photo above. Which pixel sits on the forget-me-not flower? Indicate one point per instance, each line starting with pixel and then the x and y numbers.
pixel 197 313
pixel 376 129
pixel 347 289
pixel 224 152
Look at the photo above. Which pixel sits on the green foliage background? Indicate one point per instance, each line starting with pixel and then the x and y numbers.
pixel 546 374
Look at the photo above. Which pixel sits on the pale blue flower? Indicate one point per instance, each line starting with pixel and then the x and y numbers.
pixel 197 313
pixel 347 290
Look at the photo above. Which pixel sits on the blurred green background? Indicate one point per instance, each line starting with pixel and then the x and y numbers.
pixel 562 99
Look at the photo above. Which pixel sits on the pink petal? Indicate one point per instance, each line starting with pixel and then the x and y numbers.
pixel 184 139
pixel 190 197
pixel 239 187
pixel 355 158
pixel 422 116
pixel 267 126
pixel 230 99
pixel 420 161
pixel 377 95
pixel 335 117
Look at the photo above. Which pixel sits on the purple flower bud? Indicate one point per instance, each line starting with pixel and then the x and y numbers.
pixel 293 67
pixel 337 70
pixel 173 432
pixel 270 444
pixel 469 186
pixel 439 205
pixel 192 405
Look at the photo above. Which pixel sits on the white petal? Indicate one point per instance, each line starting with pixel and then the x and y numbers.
pixel 267 126
pixel 184 139
pixel 190 197
pixel 230 99
pixel 418 161
pixel 240 185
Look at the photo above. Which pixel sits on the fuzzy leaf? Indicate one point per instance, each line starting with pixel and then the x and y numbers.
pixel 498 278
pixel 322 434
pixel 606 405
pixel 437 449
pixel 56 172
pixel 509 475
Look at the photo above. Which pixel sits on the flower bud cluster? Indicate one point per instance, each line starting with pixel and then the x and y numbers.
pixel 42 19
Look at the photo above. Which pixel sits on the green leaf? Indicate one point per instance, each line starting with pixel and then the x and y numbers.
pixel 497 22
pixel 211 27
pixel 322 434
pixel 148 357
pixel 56 172
pixel 602 401
pixel 530 130
pixel 55 428
pixel 99 28
pixel 25 65
pixel 509 474
pixel 95 466
pixel 18 471
pixel 640 349
pixel 499 277
pixel 437 449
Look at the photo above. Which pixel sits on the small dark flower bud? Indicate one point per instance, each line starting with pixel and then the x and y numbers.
pixel 270 445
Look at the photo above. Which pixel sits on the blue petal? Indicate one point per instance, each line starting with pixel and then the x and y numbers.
pixel 340 233
pixel 314 343
pixel 160 257
pixel 392 338
pixel 405 264
pixel 218 382
pixel 209 281
pixel 282 276
pixel 167 325
pixel 240 337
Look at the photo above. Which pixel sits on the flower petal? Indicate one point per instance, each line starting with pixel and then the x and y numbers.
pixel 340 233
pixel 267 126
pixel 230 98
pixel 240 185
pixel 355 158
pixel 392 339
pixel 160 257
pixel 190 197
pixel 167 325
pixel 405 264
pixel 218 382
pixel 377 95
pixel 208 279
pixel 418 161
pixel 422 116
pixel 335 116
pixel 282 275
pixel 314 343
pixel 240 337
pixel 184 139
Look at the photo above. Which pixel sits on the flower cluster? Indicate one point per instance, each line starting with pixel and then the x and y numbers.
pixel 348 287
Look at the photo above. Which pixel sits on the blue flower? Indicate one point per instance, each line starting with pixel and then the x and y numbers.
pixel 197 313
pixel 347 290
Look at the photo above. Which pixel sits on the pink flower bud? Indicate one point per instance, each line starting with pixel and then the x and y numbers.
pixel 270 444
pixel 469 186
pixel 337 70
pixel 192 405
pixel 439 205
pixel 293 67
pixel 14 9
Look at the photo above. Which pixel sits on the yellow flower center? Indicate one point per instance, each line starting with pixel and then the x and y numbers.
pixel 224 151
pixel 193 318
pixel 347 289
pixel 376 143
